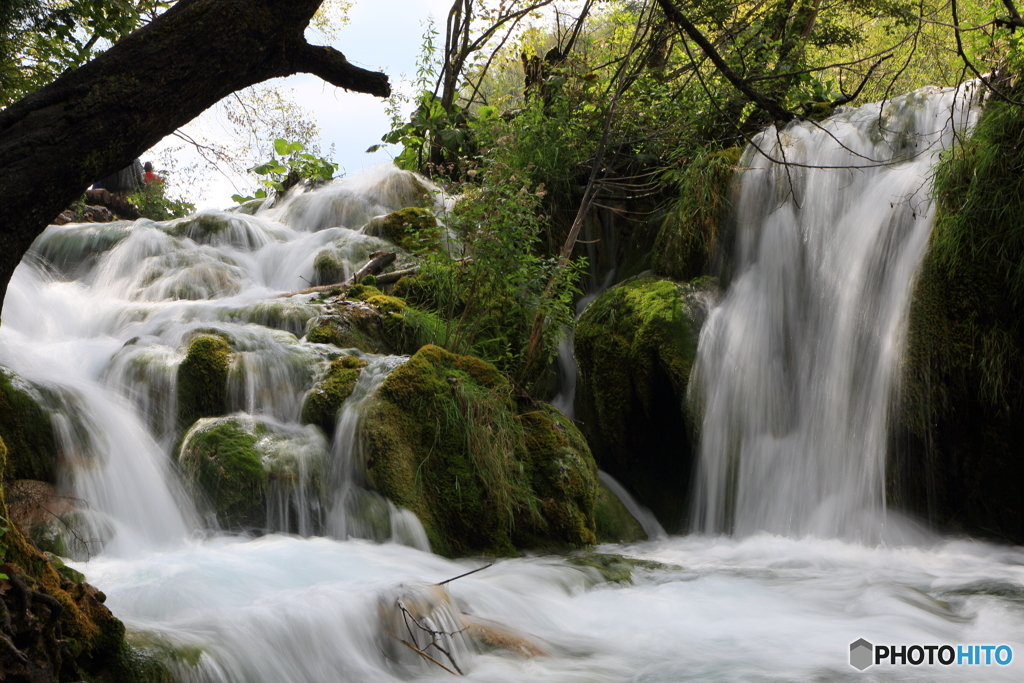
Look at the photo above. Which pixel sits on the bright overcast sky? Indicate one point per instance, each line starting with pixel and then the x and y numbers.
pixel 381 35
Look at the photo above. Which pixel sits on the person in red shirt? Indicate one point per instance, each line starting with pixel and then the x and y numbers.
pixel 149 176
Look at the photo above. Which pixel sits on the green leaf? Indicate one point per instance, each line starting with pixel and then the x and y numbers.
pixel 373 148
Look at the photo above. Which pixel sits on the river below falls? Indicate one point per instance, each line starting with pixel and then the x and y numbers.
pixel 763 608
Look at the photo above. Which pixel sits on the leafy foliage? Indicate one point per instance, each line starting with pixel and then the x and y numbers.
pixel 294 166
pixel 40 39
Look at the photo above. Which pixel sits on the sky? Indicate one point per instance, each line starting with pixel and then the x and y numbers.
pixel 381 35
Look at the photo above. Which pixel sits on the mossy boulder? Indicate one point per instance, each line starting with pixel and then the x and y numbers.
pixel 613 522
pixel 412 229
pixel 688 240
pixel 328 268
pixel 234 464
pixel 220 462
pixel 635 346
pixel 371 321
pixel 58 623
pixel 957 457
pixel 27 430
pixel 446 439
pixel 326 398
pixel 203 379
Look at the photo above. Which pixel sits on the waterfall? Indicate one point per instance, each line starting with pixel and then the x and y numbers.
pixel 796 366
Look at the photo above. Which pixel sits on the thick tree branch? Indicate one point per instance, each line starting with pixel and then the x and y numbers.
pixel 333 67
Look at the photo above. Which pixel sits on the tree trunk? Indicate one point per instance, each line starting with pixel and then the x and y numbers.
pixel 97 119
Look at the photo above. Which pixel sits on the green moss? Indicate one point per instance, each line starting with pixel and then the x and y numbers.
pixel 203 379
pixel 413 229
pixel 689 235
pixel 374 322
pixel 624 337
pixel 962 408
pixel 220 461
pixel 327 396
pixel 613 522
pixel 445 439
pixel 635 346
pixel 613 568
pixel 562 476
pixel 27 430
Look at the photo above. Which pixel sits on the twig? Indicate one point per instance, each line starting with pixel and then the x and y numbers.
pixel 421 653
pixel 478 569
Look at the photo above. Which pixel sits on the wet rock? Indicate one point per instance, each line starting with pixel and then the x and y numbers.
pixel 635 346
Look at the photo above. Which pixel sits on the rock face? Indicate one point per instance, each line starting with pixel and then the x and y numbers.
pixel 957 444
pixel 635 346
pixel 446 438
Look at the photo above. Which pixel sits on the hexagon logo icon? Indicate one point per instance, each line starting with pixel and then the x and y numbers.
pixel 861 654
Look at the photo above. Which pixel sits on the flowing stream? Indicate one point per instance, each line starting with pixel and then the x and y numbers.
pixel 795 369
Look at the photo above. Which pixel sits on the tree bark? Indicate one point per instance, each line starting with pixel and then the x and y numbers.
pixel 99 118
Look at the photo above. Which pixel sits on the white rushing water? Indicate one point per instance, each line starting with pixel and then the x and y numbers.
pixel 103 325
pixel 796 366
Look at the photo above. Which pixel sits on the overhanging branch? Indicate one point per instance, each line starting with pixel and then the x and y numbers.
pixel 333 67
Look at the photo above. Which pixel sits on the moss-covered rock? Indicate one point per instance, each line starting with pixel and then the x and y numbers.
pixel 328 268
pixel 327 396
pixel 27 430
pixel 614 568
pixel 412 229
pixel 446 439
pixel 688 238
pixel 613 522
pixel 635 345
pixel 203 379
pixel 562 476
pixel 371 321
pixel 234 465
pixel 220 462
pixel 957 446
pixel 59 623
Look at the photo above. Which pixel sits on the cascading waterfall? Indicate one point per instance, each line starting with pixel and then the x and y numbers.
pixel 796 365
pixel 125 300
pixel 97 320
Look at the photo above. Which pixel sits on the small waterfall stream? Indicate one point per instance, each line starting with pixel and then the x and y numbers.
pixel 100 316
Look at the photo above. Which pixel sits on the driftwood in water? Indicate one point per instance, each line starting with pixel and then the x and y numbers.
pixel 379 260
